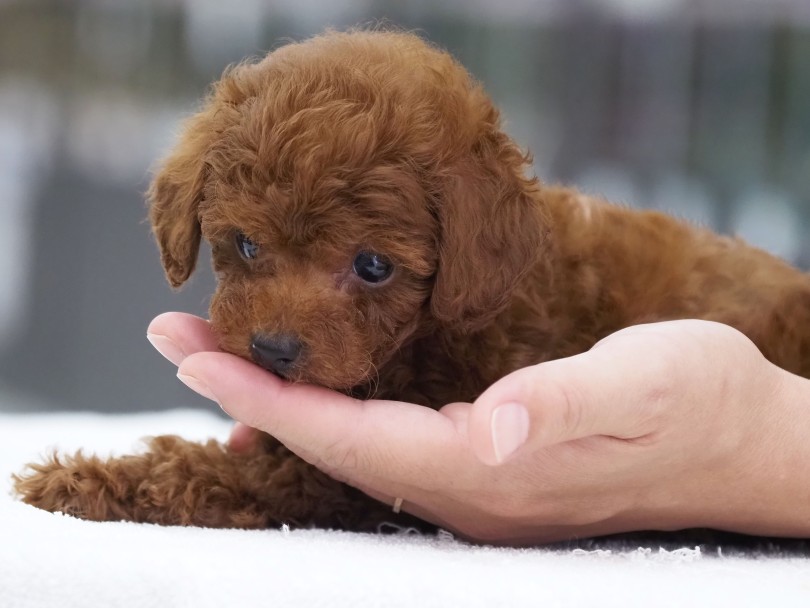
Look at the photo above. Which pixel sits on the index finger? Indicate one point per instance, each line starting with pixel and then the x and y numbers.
pixel 176 335
pixel 400 442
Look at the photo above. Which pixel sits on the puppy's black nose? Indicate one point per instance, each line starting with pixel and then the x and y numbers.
pixel 277 353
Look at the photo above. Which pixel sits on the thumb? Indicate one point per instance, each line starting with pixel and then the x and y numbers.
pixel 614 390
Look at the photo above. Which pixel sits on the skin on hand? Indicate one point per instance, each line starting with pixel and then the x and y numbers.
pixel 662 426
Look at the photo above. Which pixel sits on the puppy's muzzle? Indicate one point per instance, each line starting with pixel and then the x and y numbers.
pixel 277 353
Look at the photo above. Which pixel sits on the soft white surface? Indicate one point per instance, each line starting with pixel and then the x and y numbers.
pixel 54 560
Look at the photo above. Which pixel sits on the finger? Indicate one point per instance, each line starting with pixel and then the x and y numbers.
pixel 615 390
pixel 389 440
pixel 403 504
pixel 243 438
pixel 176 335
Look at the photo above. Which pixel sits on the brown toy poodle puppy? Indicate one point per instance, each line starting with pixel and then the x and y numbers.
pixel 374 231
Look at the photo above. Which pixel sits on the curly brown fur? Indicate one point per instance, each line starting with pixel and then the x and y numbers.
pixel 177 482
pixel 376 141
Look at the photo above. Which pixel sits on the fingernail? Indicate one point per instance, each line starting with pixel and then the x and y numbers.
pixel 509 426
pixel 167 347
pixel 197 386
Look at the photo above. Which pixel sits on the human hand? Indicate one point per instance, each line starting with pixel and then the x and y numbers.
pixel 662 426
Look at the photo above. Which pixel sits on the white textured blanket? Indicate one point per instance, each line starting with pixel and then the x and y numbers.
pixel 54 560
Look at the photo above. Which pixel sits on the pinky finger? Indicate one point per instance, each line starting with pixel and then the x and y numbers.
pixel 243 438
pixel 401 504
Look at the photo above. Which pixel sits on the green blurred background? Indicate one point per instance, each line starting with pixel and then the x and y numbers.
pixel 701 108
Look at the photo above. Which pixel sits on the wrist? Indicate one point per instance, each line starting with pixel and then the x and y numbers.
pixel 767 489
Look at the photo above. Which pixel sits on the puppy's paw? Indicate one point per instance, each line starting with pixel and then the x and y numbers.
pixel 173 482
pixel 177 482
pixel 76 485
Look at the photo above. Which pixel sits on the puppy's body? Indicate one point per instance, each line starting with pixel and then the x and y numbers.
pixel 611 268
pixel 373 231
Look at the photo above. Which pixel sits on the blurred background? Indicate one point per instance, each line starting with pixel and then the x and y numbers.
pixel 701 108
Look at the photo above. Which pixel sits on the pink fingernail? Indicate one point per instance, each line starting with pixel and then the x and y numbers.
pixel 167 347
pixel 197 386
pixel 509 427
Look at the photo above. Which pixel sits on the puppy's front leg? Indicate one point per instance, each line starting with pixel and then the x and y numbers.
pixel 177 482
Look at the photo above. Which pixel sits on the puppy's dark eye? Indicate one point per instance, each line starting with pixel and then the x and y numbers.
pixel 247 248
pixel 372 267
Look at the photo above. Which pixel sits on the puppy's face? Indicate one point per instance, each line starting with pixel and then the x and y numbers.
pixel 356 191
pixel 321 287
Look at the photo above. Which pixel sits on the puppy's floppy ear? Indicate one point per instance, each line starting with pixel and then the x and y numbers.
pixel 174 198
pixel 492 231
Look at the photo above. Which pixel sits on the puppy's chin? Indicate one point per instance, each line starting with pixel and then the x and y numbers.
pixel 336 382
